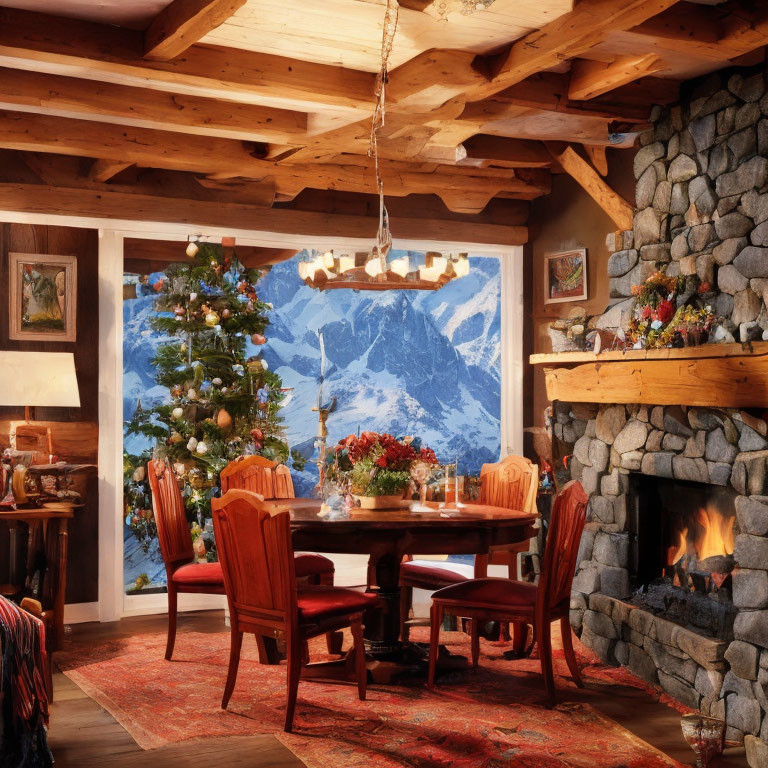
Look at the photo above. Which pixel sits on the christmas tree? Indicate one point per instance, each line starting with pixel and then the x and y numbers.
pixel 222 405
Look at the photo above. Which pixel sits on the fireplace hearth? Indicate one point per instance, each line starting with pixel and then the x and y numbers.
pixel 681 558
pixel 672 579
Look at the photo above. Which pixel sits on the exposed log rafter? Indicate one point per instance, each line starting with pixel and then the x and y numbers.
pixel 614 205
pixel 184 23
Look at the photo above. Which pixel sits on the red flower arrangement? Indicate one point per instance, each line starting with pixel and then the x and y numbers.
pixel 379 462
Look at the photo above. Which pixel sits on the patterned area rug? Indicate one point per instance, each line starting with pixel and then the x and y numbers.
pixel 489 719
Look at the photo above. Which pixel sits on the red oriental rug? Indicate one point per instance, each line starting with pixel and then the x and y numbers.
pixel 489 719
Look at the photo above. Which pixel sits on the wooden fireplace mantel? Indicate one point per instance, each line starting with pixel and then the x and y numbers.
pixel 716 375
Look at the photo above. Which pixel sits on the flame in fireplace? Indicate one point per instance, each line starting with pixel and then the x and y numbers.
pixel 713 536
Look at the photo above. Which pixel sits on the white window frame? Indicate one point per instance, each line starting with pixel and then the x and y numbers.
pixel 113 603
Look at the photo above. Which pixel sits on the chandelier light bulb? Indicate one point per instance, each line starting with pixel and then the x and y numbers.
pixel 328 259
pixel 192 249
pixel 440 264
pixel 373 267
pixel 401 266
pixel 461 265
pixel 346 262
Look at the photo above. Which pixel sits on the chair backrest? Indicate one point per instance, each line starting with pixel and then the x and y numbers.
pixel 566 524
pixel 255 473
pixel 511 483
pixel 170 515
pixel 256 555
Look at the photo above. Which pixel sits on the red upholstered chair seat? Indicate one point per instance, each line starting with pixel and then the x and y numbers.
pixel 499 593
pixel 199 574
pixel 210 575
pixel 424 576
pixel 318 603
pixel 310 564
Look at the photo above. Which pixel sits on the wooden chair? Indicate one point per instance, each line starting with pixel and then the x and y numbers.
pixel 183 573
pixel 257 561
pixel 502 600
pixel 273 481
pixel 255 473
pixel 512 483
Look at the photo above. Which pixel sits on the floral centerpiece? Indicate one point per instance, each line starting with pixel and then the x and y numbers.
pixel 658 321
pixel 378 468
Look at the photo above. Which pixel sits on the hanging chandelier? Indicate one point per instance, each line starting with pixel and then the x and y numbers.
pixel 381 268
pixel 401 271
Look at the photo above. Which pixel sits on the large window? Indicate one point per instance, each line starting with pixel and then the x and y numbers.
pixel 405 362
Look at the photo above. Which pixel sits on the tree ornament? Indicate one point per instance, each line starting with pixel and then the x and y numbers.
pixel 223 420
pixel 258 339
pixel 224 390
pixel 177 413
pixel 192 444
pixel 216 382
pixel 191 394
pixel 193 296
pixel 225 313
pixel 176 438
pixel 202 448
pixel 211 319
pixel 257 434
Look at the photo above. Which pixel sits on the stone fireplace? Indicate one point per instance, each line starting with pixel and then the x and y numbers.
pixel 672 579
pixel 672 490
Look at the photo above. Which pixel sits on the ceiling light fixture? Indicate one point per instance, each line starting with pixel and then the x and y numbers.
pixel 375 270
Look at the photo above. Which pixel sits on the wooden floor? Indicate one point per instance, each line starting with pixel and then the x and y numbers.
pixel 83 734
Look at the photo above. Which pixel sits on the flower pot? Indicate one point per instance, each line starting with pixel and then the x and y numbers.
pixel 381 502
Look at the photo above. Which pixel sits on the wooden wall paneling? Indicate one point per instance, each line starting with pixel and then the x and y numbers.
pixel 82 579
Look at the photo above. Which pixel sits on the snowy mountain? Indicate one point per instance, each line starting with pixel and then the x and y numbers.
pixel 405 362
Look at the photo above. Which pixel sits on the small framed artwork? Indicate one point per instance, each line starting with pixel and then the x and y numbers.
pixel 565 277
pixel 43 297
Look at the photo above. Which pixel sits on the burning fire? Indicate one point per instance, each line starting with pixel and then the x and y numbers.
pixel 714 538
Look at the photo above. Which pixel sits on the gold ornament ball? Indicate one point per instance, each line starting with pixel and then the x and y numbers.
pixel 211 319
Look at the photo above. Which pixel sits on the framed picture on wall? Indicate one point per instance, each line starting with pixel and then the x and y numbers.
pixel 565 276
pixel 43 297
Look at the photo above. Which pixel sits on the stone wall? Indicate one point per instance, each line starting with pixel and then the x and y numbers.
pixel 702 203
pixel 719 447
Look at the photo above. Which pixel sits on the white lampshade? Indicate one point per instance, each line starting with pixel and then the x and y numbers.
pixel 461 266
pixel 39 378
pixel 346 262
pixel 373 267
pixel 401 266
pixel 440 264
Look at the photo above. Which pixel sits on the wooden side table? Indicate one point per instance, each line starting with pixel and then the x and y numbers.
pixel 46 553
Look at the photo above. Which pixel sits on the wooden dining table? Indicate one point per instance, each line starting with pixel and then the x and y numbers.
pixel 385 535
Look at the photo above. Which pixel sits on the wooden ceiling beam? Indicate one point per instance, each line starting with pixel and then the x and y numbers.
pixel 101 52
pixel 462 189
pixel 566 37
pixel 165 252
pixel 143 107
pixel 120 206
pixel 619 210
pixel 594 78
pixel 719 33
pixel 183 23
pixel 511 153
pixel 104 170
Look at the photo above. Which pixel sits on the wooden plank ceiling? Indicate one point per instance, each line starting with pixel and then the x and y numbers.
pixel 133 107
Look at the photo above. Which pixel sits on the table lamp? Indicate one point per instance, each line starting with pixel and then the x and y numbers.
pixel 38 379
